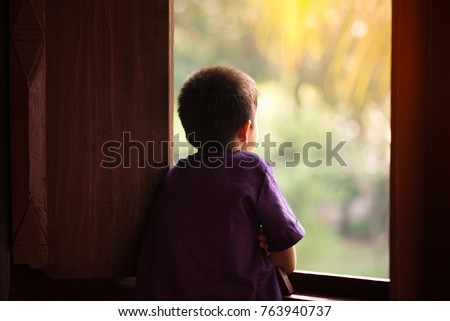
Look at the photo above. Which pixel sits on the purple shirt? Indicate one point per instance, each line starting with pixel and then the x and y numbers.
pixel 202 238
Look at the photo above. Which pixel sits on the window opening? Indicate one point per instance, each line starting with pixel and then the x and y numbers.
pixel 323 69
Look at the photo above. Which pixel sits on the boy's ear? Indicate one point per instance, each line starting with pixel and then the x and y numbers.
pixel 244 131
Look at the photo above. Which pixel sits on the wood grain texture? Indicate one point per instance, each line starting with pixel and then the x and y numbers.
pixel 83 73
pixel 107 73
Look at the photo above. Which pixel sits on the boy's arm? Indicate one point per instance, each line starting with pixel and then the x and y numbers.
pixel 279 223
pixel 286 259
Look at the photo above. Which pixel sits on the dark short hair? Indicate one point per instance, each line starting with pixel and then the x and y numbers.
pixel 214 103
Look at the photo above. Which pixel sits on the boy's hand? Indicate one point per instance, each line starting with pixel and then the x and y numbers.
pixel 263 244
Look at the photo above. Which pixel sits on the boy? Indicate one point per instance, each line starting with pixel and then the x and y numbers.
pixel 202 239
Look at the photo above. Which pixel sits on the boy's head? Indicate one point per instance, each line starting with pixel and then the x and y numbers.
pixel 215 103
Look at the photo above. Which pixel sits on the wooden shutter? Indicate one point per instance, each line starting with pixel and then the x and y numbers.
pixel 83 73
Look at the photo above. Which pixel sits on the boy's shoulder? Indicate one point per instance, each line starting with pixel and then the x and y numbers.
pixel 250 160
pixel 238 168
pixel 226 159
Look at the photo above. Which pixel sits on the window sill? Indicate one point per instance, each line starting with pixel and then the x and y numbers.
pixel 314 286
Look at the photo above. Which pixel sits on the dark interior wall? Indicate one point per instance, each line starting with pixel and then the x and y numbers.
pixel 5 209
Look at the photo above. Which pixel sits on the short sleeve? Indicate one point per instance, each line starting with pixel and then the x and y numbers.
pixel 280 224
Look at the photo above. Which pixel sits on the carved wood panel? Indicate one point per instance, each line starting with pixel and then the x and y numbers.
pixel 28 134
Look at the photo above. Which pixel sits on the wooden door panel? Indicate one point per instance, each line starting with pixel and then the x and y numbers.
pixel 105 71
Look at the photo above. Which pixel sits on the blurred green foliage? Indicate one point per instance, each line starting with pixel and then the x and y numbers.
pixel 321 66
